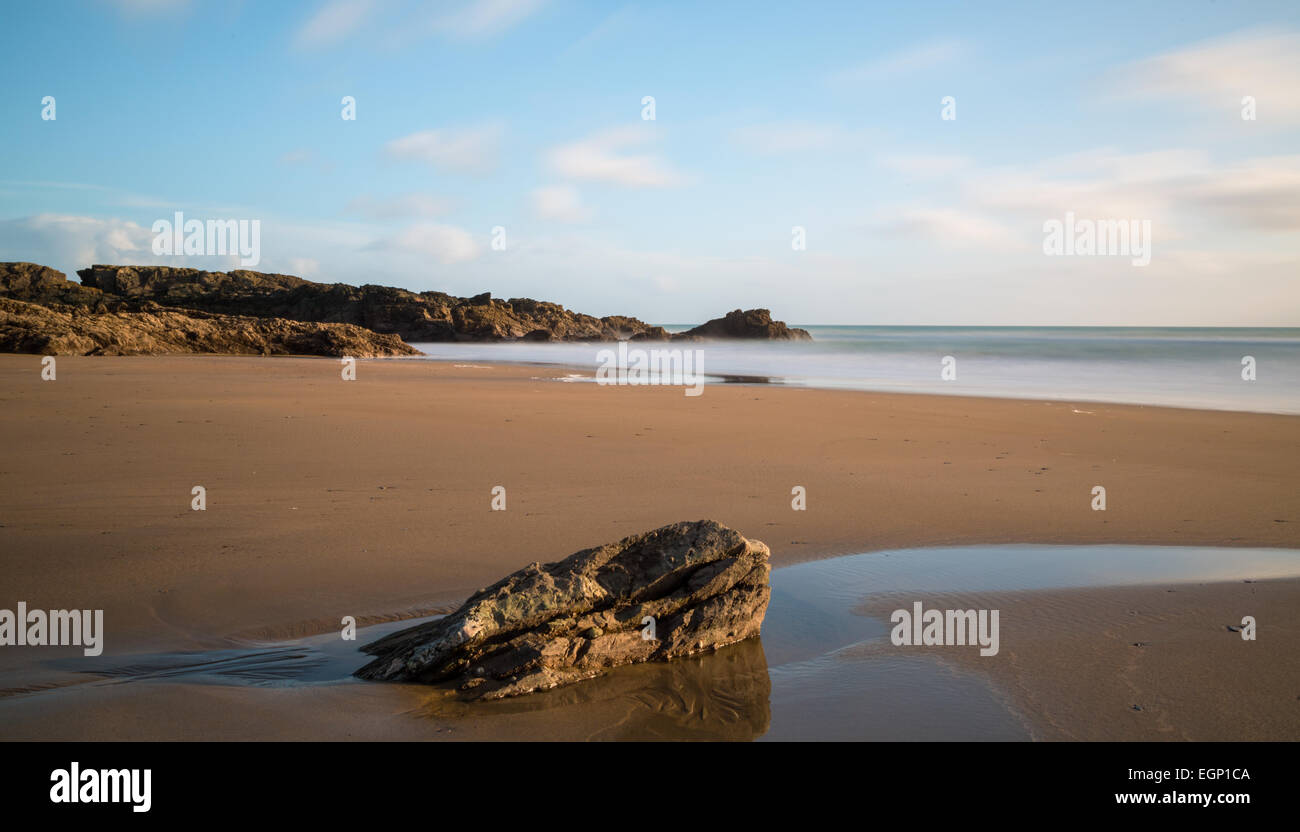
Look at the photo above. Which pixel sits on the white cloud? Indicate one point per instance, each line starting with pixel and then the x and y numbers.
pixel 400 206
pixel 467 150
pixel 1217 74
pixel 954 227
pixel 596 158
pixel 68 242
pixel 1183 189
pixel 1263 193
pixel 445 243
pixel 560 203
pixel 486 17
pixel 303 266
pixel 333 22
pixel 390 24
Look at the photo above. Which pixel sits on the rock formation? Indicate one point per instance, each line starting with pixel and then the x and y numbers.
pixel 696 586
pixel 411 316
pixel 153 330
pixel 751 324
pixel 41 311
pixel 414 316
pixel 41 284
pixel 422 316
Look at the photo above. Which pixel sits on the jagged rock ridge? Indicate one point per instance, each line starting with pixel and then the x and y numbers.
pixel 411 316
pixel 52 330
pixel 415 317
pixel 41 311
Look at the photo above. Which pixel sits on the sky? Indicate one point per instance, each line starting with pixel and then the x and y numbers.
pixel 525 123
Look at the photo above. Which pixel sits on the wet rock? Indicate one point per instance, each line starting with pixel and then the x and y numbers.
pixel 702 585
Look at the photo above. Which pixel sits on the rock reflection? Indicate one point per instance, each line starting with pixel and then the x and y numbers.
pixel 716 696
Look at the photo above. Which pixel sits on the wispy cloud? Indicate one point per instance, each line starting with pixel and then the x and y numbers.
pixel 1215 75
pixel 1184 188
pixel 467 150
pixel 445 243
pixel 560 203
pixel 597 158
pixel 393 22
pixel 483 18
pixel 954 227
pixel 333 22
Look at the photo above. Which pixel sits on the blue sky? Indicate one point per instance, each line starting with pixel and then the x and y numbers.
pixel 527 114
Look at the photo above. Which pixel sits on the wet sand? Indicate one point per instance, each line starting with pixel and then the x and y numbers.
pixel 1148 663
pixel 371 498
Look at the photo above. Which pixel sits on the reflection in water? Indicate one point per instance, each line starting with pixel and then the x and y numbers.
pixel 824 668
pixel 716 696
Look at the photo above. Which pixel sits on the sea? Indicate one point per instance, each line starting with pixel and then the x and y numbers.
pixel 1242 369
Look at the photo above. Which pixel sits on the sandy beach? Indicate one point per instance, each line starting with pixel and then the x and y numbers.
pixel 371 498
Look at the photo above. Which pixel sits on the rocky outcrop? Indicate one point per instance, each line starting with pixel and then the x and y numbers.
pixel 751 324
pixel 422 316
pixel 41 284
pixel 155 330
pixel 412 316
pixel 694 586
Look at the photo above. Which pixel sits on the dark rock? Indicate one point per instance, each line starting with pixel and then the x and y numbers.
pixel 155 330
pixel 41 284
pixel 412 316
pixel 423 316
pixel 752 324
pixel 703 584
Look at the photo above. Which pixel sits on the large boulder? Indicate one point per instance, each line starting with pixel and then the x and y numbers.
pixel 694 586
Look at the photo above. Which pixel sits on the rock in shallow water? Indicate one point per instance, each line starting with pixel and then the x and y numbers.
pixel 701 585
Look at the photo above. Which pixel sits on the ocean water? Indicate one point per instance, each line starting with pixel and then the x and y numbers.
pixel 1178 367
